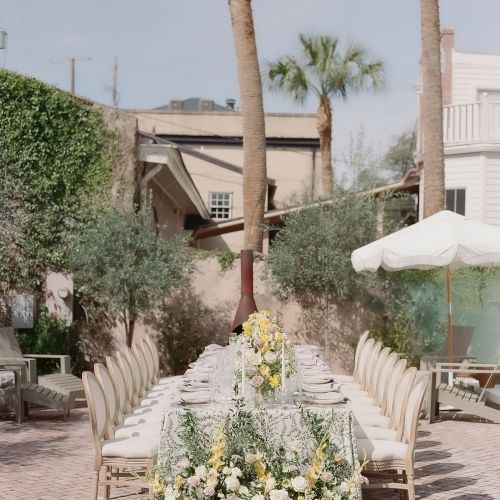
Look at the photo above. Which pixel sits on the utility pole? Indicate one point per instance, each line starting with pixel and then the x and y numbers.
pixel 72 74
pixel 115 82
pixel 72 64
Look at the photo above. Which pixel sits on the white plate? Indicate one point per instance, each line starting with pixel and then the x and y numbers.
pixel 319 388
pixel 317 379
pixel 331 399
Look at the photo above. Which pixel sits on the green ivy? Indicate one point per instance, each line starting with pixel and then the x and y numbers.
pixel 55 163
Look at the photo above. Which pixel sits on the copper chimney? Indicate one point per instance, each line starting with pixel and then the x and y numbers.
pixel 247 304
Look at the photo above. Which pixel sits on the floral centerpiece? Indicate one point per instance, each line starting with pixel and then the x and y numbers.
pixel 267 355
pixel 242 464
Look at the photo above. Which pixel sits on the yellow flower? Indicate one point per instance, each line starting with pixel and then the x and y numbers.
pixel 179 481
pixel 274 381
pixel 265 312
pixel 278 336
pixel 260 470
pixel 300 497
pixel 264 370
pixel 158 487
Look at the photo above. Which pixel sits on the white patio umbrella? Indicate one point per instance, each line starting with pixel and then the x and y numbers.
pixel 445 239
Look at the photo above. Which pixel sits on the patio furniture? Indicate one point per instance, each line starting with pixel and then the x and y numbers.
pixel 392 461
pixel 58 390
pixel 120 459
pixel 485 404
pixel 445 239
pixel 10 384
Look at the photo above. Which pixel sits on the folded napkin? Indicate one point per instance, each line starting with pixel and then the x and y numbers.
pixel 198 397
pixel 318 388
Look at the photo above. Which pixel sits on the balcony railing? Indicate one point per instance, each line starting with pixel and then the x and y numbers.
pixel 471 123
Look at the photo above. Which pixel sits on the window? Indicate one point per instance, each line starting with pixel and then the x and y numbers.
pixel 220 205
pixel 455 200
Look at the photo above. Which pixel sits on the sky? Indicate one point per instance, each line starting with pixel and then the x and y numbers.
pixel 176 49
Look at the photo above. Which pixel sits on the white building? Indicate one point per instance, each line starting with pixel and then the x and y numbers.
pixel 471 127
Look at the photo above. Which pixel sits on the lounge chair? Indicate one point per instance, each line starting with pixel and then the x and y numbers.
pixel 485 404
pixel 58 390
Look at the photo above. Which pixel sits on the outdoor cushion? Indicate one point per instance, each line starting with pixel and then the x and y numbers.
pixel 369 432
pixel 9 347
pixel 148 418
pixel 378 450
pixel 142 429
pixel 366 409
pixel 133 447
pixel 361 418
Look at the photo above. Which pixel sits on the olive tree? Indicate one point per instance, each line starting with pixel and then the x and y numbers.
pixel 120 263
pixel 311 255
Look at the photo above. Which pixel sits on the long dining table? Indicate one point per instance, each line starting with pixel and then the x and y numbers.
pixel 286 424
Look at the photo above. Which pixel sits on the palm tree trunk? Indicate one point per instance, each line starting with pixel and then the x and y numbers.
pixel 432 109
pixel 254 135
pixel 324 125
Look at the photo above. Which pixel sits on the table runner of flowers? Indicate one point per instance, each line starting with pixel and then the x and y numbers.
pixel 273 453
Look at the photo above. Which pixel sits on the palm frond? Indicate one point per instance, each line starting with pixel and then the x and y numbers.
pixel 287 74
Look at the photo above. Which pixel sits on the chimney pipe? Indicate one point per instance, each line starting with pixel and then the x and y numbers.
pixel 247 305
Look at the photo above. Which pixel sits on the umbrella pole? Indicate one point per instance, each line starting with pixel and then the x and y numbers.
pixel 450 327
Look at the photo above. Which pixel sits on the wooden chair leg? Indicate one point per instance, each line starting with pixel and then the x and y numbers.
pixel 107 487
pixel 95 485
pixel 411 487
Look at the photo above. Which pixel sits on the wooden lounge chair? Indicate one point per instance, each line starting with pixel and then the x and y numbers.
pixel 460 397
pixel 58 390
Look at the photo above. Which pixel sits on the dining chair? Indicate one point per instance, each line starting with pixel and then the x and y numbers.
pixel 393 461
pixel 115 427
pixel 359 348
pixel 117 461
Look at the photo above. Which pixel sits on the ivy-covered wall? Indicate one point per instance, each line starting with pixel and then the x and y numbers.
pixel 56 165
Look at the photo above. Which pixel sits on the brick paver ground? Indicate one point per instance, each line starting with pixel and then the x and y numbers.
pixel 48 458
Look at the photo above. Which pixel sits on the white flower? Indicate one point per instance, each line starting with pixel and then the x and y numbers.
pixel 193 481
pixel 212 478
pixel 294 446
pixel 236 472
pixel 299 484
pixel 232 483
pixel 278 495
pixel 226 471
pixel 254 358
pixel 208 491
pixel 270 483
pixel 257 381
pixel 201 471
pixel 258 497
pixel 327 476
pixel 251 458
pixel 170 493
pixel 184 463
pixel 243 490
pixel 270 357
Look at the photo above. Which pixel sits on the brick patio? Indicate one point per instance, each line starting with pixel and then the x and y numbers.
pixel 48 458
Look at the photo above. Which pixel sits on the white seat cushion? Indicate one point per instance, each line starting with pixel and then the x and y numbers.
pixel 366 409
pixel 371 420
pixel 378 450
pixel 132 447
pixel 148 418
pixel 362 400
pixel 142 429
pixel 343 378
pixel 369 432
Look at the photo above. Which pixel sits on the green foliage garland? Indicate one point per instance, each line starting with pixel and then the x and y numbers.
pixel 55 162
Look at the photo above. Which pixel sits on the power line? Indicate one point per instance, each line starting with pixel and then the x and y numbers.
pixel 33 26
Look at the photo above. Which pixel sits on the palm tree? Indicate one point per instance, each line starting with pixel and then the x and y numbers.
pixel 320 70
pixel 254 135
pixel 432 108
